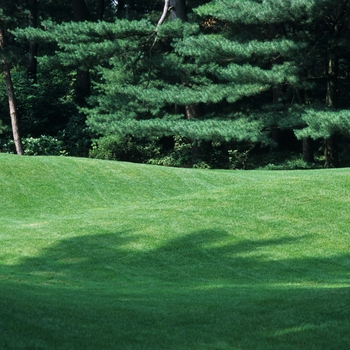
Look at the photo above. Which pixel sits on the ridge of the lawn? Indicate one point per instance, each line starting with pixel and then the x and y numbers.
pixel 59 183
pixel 65 197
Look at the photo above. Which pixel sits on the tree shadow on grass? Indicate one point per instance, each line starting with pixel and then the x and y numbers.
pixel 200 291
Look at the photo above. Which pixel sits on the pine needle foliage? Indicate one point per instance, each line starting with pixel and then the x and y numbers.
pixel 244 66
pixel 324 123
pixel 185 66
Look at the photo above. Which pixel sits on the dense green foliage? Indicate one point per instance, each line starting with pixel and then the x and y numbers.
pixel 105 255
pixel 242 73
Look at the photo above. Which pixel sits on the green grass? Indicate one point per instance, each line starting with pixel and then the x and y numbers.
pixel 109 255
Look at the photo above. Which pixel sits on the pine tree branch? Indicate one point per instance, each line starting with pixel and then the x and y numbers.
pixel 165 12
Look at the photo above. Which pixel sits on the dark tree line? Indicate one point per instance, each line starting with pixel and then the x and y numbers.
pixel 197 81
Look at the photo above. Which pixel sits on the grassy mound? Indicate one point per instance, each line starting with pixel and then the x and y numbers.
pixel 110 255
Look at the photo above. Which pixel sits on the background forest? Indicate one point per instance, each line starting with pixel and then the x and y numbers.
pixel 235 84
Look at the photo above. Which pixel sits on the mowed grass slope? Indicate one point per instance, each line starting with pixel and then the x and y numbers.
pixel 110 255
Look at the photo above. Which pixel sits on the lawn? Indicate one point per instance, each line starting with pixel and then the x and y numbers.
pixel 110 255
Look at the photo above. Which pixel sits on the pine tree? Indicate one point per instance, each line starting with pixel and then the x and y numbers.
pixel 248 68
pixel 327 64
pixel 318 84
pixel 147 83
pixel 185 67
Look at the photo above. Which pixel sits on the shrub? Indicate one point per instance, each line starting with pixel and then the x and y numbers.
pixel 43 146
pixel 125 148
pixel 179 156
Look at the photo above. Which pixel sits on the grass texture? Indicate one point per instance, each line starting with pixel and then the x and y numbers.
pixel 110 255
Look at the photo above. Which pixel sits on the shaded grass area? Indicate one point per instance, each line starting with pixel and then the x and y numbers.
pixel 159 300
pixel 125 256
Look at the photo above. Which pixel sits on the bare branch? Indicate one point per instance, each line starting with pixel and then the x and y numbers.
pixel 165 11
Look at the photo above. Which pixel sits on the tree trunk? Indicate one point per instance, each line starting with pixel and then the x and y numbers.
pixel 332 80
pixel 11 96
pixel 308 151
pixel 178 10
pixel 13 108
pixel 331 152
